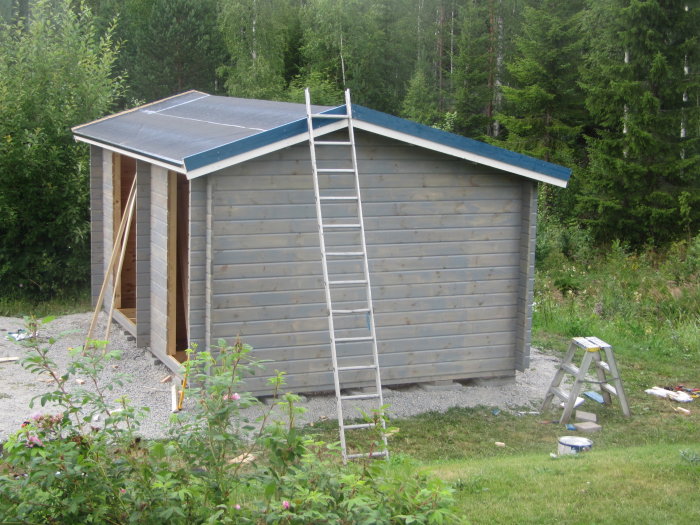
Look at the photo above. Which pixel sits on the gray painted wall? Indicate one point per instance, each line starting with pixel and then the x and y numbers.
pixel 97 250
pixel 446 259
pixel 159 261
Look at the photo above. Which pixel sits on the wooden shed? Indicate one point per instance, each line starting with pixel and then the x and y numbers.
pixel 226 242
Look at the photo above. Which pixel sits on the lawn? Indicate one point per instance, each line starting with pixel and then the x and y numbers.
pixel 643 469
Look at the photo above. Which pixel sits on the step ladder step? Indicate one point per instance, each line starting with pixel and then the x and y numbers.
pixel 344 254
pixel 357 367
pixel 380 454
pixel 355 397
pixel 603 365
pixel 332 143
pixel 335 170
pixel 359 425
pixel 341 225
pixel 559 393
pixel 570 369
pixel 608 388
pixel 338 197
pixel 328 115
pixel 351 281
pixel 352 339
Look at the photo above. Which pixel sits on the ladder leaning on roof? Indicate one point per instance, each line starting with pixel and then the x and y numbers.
pixel 346 275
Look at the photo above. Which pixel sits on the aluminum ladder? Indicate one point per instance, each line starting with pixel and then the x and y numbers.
pixel 346 276
pixel 608 385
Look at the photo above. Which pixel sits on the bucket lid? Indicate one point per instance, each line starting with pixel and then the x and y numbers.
pixel 575 441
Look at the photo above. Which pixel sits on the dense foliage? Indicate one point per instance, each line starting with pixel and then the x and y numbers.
pixel 610 88
pixel 55 72
pixel 82 460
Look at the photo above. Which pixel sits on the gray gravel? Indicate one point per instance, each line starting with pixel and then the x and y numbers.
pixel 18 386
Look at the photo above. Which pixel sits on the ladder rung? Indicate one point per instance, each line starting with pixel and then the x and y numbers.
pixel 343 225
pixel 359 425
pixel 381 454
pixel 559 393
pixel 352 311
pixel 357 281
pixel 602 364
pixel 570 369
pixel 356 367
pixel 350 254
pixel 328 115
pixel 339 198
pixel 608 388
pixel 335 170
pixel 353 339
pixel 332 143
pixel 359 396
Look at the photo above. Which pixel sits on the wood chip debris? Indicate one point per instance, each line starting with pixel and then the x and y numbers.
pixel 8 359
pixel 167 379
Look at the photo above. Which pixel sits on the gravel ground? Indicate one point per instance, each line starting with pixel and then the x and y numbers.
pixel 18 386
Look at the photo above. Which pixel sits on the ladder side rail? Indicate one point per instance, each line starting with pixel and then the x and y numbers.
pixel 602 378
pixel 375 352
pixel 558 376
pixel 324 265
pixel 617 381
pixel 576 388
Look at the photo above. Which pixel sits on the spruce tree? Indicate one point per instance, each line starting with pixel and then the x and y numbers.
pixel 544 114
pixel 642 88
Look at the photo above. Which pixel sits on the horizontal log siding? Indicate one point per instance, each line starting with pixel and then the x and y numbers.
pixel 444 245
pixel 198 260
pixel 143 253
pixel 108 219
pixel 159 261
pixel 97 207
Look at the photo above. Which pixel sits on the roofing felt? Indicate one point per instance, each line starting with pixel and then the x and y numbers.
pixel 195 133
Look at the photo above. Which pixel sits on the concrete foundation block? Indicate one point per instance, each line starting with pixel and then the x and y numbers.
pixel 437 386
pixel 494 381
pixel 587 426
pixel 586 416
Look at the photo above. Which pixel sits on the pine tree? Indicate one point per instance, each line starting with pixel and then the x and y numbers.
pixel 642 87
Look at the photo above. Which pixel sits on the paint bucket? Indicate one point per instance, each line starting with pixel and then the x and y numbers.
pixel 573 445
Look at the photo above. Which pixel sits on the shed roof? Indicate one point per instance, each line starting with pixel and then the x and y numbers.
pixel 195 133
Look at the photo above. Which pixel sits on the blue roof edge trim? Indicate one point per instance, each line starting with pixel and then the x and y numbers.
pixel 459 142
pixel 259 140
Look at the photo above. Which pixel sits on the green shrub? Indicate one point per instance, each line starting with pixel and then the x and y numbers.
pixel 55 72
pixel 214 467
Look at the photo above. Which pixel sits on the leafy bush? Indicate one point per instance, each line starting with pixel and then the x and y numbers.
pixel 215 466
pixel 55 72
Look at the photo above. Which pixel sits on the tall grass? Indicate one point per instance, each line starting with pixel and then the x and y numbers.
pixel 647 305
pixel 69 303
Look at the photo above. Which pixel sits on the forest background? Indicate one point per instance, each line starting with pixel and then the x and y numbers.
pixel 609 88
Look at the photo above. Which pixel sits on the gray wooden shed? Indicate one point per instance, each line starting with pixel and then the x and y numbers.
pixel 225 240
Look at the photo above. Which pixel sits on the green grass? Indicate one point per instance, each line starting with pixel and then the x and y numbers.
pixel 70 303
pixel 648 307
pixel 607 485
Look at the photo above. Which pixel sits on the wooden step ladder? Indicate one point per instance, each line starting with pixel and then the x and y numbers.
pixel 608 385
pixel 346 276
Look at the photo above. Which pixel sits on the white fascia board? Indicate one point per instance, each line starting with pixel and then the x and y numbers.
pixel 172 167
pixel 455 152
pixel 259 152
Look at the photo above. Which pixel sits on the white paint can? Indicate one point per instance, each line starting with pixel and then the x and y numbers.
pixel 573 445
